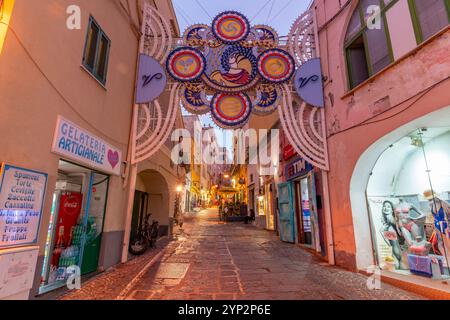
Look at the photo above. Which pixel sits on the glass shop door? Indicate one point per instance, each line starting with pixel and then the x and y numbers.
pixel 304 211
pixel 76 225
pixel 94 219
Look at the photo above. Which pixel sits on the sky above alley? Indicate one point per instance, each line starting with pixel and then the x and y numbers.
pixel 279 14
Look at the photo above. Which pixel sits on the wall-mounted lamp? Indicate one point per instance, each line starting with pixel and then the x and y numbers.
pixel 6 8
pixel 417 142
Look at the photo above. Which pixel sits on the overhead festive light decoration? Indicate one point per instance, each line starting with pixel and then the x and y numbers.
pixel 230 69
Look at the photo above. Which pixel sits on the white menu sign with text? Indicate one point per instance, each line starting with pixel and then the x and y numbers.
pixel 21 199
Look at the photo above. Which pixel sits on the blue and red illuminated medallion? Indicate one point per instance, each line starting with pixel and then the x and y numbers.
pixel 239 65
pixel 276 66
pixel 230 27
pixel 186 64
pixel 231 110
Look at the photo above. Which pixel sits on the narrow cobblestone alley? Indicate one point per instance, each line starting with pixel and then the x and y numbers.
pixel 214 260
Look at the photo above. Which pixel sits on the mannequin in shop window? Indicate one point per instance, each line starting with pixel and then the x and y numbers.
pixel 411 223
pixel 391 233
pixel 440 209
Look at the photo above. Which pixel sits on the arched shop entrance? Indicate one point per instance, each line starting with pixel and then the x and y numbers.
pixel 397 190
pixel 151 196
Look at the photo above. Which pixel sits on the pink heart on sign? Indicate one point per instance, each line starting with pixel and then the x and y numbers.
pixel 113 158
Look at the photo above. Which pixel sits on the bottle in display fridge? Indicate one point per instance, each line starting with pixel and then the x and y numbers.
pixel 68 230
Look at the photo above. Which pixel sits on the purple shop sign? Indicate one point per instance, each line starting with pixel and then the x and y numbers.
pixel 308 83
pixel 152 79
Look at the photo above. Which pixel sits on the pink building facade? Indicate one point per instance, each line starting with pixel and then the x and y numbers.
pixel 387 96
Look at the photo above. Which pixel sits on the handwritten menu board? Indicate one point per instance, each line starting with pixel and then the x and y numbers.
pixel 21 199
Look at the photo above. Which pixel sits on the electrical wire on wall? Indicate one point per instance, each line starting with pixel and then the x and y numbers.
pixel 418 97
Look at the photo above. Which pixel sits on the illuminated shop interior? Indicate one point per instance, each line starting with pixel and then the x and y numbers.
pixel 410 180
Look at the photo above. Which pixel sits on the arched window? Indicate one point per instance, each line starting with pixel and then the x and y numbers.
pixel 367 47
pixel 430 17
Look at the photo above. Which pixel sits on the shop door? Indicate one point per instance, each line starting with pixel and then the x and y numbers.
pixel 76 224
pixel 312 202
pixel 140 208
pixel 269 208
pixel 286 212
pixel 305 212
pixel 299 213
pixel 251 199
pixel 93 223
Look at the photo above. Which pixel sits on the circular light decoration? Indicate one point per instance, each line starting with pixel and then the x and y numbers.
pixel 267 100
pixel 195 34
pixel 193 101
pixel 230 27
pixel 238 65
pixel 230 110
pixel 276 65
pixel 266 34
pixel 236 72
pixel 186 64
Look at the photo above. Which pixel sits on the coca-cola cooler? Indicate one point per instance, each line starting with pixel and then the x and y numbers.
pixel 67 223
pixel 69 212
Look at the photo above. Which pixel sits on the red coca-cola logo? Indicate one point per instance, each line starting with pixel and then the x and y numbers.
pixel 71 205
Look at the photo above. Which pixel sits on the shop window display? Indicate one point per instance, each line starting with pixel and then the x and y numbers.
pixel 76 224
pixel 408 195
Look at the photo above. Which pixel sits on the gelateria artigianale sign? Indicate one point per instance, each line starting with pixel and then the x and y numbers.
pixel 75 143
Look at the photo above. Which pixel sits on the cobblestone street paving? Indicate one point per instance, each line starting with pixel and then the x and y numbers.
pixel 213 260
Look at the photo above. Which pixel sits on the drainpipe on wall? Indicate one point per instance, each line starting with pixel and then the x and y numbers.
pixel 132 183
pixel 328 220
pixel 326 190
pixel 130 157
pixel 126 235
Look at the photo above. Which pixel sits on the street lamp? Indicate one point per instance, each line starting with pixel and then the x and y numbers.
pixel 226 176
pixel 177 208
